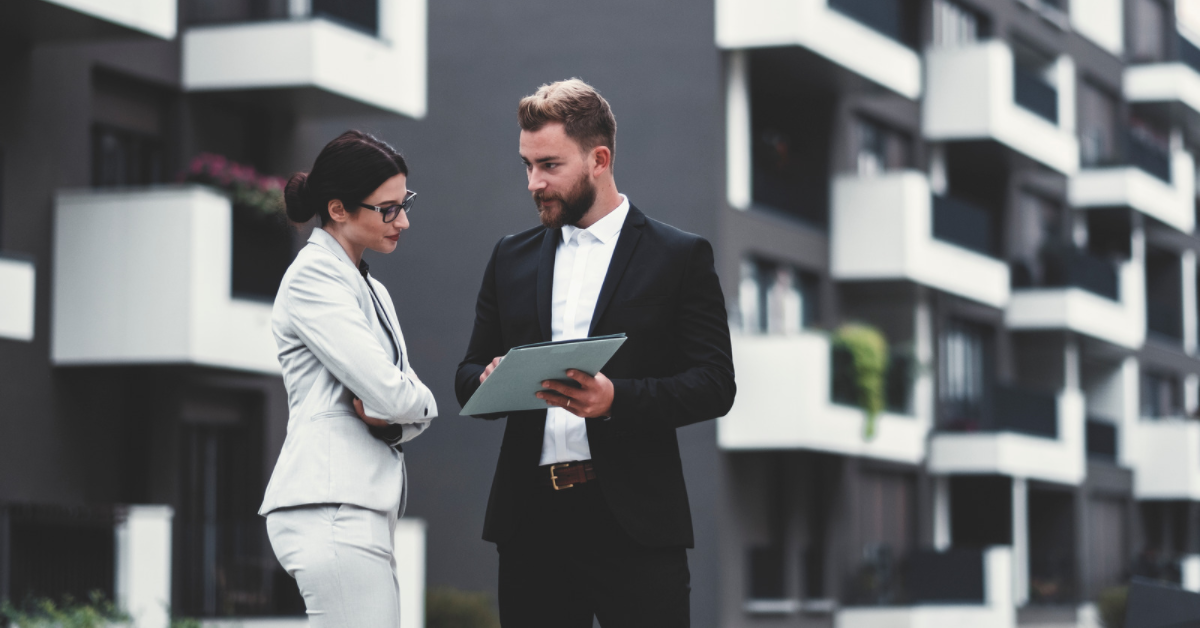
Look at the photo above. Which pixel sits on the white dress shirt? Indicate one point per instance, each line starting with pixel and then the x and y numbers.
pixel 580 265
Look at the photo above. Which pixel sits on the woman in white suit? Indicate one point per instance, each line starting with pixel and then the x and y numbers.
pixel 353 397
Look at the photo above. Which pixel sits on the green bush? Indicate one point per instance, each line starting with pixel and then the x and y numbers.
pixel 869 352
pixel 447 607
pixel 1111 605
pixel 45 613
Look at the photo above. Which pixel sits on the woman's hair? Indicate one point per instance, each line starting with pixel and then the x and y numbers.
pixel 348 169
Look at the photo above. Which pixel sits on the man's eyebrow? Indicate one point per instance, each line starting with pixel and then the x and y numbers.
pixel 542 160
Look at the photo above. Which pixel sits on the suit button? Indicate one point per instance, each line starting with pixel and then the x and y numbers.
pixel 426 411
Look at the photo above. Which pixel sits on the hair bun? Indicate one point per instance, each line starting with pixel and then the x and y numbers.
pixel 296 198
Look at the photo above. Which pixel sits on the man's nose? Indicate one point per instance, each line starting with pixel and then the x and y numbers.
pixel 536 182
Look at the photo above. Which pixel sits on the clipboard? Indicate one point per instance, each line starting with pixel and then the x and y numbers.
pixel 519 376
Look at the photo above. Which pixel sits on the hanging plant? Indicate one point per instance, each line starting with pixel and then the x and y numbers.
pixel 868 352
pixel 253 194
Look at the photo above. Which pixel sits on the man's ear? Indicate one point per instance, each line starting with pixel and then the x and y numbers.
pixel 601 159
pixel 337 211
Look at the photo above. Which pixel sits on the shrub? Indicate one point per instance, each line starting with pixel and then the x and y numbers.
pixel 868 350
pixel 46 613
pixel 1111 605
pixel 447 607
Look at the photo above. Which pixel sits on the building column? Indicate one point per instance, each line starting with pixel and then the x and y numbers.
pixel 143 565
pixel 941 513
pixel 737 130
pixel 408 545
pixel 1020 541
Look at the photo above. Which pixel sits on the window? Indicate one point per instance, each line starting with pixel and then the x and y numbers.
pixel 128 129
pixel 963 373
pixel 1164 294
pixel 1097 126
pixel 1161 395
pixel 360 14
pixel 880 148
pixel 775 298
pixel 955 25
pixel 1148 32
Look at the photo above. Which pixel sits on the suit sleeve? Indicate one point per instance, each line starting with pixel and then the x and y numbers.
pixel 328 319
pixel 705 388
pixel 486 340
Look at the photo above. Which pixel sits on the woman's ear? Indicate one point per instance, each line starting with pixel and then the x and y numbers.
pixel 337 211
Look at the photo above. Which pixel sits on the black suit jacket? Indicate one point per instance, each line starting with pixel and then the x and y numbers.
pixel 674 369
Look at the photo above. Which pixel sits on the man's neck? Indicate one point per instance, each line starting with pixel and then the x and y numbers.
pixel 607 201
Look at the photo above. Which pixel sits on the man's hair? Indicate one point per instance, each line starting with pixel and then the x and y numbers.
pixel 583 112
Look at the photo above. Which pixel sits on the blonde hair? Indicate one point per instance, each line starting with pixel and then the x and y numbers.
pixel 583 112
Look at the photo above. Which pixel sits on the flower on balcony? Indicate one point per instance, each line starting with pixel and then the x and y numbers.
pixel 251 192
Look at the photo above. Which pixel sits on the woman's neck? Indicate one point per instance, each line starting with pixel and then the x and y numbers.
pixel 355 251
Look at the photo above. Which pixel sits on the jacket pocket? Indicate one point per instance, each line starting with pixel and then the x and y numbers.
pixel 329 414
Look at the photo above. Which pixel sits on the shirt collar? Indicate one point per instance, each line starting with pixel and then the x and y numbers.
pixel 606 228
pixel 323 239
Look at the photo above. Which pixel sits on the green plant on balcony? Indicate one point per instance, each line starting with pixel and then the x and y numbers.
pixel 447 607
pixel 868 351
pixel 1111 604
pixel 97 612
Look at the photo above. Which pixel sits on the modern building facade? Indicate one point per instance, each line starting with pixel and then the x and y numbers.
pixel 1005 189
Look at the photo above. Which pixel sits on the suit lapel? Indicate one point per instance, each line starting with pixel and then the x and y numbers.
pixel 626 243
pixel 545 279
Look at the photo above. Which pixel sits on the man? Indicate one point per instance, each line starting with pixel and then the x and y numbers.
pixel 588 507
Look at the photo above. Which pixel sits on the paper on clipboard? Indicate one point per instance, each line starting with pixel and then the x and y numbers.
pixel 519 376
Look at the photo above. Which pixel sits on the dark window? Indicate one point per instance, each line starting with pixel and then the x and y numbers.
pixel 895 18
pixel 1148 33
pixel 887 522
pixel 980 511
pixel 57 551
pixel 361 14
pixel 129 122
pixel 956 25
pixel 121 157
pixel 1098 138
pixel 790 135
pixel 1161 395
pixel 964 374
pixel 766 566
pixel 1051 546
pixel 1033 81
pixel 775 298
pixel 1164 294
pixel 880 148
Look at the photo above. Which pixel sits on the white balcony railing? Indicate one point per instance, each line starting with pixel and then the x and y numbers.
pixel 972 94
pixel 1171 81
pixel 1167 459
pixel 831 34
pixel 64 20
pixel 1172 202
pixel 784 402
pixel 316 63
pixel 1060 459
pixel 884 229
pixel 17 287
pixel 144 277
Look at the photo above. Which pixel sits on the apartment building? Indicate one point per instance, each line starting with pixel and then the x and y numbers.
pixel 1005 189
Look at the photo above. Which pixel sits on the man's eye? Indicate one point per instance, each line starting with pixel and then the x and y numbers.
pixel 551 166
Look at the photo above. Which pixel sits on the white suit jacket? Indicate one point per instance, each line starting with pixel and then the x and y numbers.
pixel 333 347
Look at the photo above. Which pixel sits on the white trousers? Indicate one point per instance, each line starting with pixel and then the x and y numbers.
pixel 341 557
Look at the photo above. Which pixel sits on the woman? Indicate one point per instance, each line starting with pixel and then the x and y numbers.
pixel 339 484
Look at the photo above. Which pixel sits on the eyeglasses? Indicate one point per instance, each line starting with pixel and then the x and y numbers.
pixel 391 212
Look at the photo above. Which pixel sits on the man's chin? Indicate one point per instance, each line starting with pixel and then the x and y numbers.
pixel 551 219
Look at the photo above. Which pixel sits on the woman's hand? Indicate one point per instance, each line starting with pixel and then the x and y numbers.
pixel 362 414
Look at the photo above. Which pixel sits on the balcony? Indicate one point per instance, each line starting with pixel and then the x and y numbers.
pixel 1160 184
pixel 1174 82
pixel 17 283
pixel 316 64
pixel 1101 440
pixel 869 38
pixel 1021 438
pixel 947 590
pixel 152 269
pixel 1082 293
pixel 891 227
pixel 786 401
pixel 38 21
pixel 1167 459
pixel 978 93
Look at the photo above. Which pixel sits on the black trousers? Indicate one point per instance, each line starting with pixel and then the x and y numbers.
pixel 572 560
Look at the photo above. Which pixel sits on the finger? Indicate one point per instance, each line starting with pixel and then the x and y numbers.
pixel 358 408
pixel 555 399
pixel 561 388
pixel 580 376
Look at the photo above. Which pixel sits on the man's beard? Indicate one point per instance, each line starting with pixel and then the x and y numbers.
pixel 572 207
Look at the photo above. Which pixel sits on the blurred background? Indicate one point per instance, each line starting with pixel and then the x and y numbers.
pixel 956 239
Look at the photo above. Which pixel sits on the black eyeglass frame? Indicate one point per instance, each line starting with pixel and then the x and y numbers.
pixel 392 212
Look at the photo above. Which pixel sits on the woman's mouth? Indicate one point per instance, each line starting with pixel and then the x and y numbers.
pixel 394 238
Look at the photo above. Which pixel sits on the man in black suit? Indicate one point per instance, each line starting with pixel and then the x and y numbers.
pixel 588 507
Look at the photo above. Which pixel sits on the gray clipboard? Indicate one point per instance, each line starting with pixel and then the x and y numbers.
pixel 512 386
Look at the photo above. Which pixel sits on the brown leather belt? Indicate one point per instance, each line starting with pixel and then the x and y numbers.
pixel 567 474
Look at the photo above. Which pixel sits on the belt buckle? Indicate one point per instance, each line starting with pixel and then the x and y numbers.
pixel 554 478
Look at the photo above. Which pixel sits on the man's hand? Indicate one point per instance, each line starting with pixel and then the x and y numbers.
pixel 488 371
pixel 362 414
pixel 594 397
